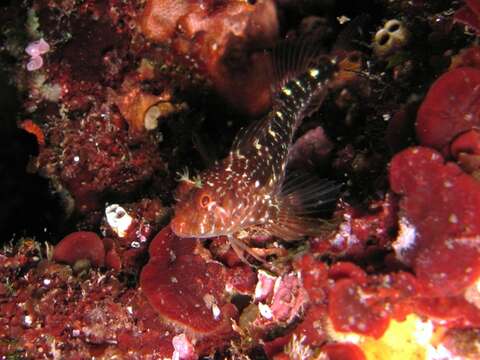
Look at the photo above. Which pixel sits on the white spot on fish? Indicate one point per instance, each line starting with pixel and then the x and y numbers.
pixel 314 73
pixel 287 91
pixel 299 84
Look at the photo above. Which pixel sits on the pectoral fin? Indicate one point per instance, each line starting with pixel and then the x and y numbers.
pixel 300 205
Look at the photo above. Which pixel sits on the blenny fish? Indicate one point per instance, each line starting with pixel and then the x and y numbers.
pixel 249 190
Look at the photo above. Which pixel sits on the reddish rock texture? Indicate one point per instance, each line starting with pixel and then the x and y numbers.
pixel 94 156
pixel 56 314
pixel 222 37
pixel 129 229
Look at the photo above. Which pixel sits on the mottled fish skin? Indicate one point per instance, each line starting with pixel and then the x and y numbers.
pixel 242 191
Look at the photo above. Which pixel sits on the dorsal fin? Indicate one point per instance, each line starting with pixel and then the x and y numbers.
pixel 289 60
pixel 302 60
pixel 245 135
pixel 293 57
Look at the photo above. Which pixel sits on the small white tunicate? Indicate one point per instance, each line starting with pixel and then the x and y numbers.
pixel 118 219
pixel 135 244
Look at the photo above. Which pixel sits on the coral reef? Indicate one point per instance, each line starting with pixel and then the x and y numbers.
pixel 109 101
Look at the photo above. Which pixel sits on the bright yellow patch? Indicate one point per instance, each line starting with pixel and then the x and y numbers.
pixel 409 339
pixel 402 340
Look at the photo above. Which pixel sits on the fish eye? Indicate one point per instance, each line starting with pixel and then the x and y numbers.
pixel 205 200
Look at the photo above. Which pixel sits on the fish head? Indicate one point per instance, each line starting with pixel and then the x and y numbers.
pixel 203 213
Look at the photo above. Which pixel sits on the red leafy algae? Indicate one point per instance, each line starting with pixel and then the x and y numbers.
pixel 186 289
pixel 437 200
pixel 450 108
pixel 343 352
pixel 80 245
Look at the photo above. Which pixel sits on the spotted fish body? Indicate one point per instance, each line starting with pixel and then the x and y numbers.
pixel 248 189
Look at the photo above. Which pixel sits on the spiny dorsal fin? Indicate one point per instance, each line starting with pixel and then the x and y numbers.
pixel 247 134
pixel 294 57
pixel 289 60
pixel 292 61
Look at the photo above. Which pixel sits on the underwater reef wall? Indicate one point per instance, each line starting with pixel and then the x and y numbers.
pixel 117 111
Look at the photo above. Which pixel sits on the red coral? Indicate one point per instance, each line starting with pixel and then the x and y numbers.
pixel 347 270
pixel 187 290
pixel 466 150
pixel 451 107
pixel 80 245
pixel 315 280
pixel 441 204
pixel 467 143
pixel 112 259
pixel 241 279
